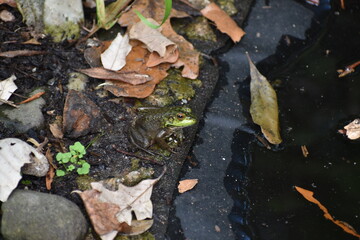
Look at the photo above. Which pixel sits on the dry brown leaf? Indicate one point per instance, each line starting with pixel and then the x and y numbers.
pixel 223 21
pixel 135 62
pixel 32 41
pixel 187 184
pixel 152 38
pixel 102 214
pixel 189 57
pixel 19 53
pixel 49 177
pixel 11 3
pixel 150 9
pixel 56 128
pixel 171 56
pixel 32 98
pixel 131 77
pixel 308 195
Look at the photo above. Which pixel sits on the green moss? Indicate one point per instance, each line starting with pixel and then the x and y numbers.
pixel 200 30
pixel 83 182
pixel 143 236
pixel 173 88
pixel 228 6
pixel 68 30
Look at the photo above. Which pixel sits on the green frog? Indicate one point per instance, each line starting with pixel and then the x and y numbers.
pixel 155 125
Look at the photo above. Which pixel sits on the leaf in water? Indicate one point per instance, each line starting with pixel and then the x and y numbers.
pixel 223 21
pixel 264 107
pixel 114 57
pixel 352 130
pixel 308 195
pixel 7 87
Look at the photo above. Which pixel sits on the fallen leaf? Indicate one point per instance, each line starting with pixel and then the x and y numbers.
pixel 149 9
pixel 308 195
pixel 152 38
pixel 187 184
pixel 32 41
pixel 348 69
pixel 171 56
pixel 56 128
pixel 114 57
pixel 223 21
pixel 11 3
pixel 264 107
pixel 7 87
pixel 14 154
pixel 132 77
pixel 136 62
pixel 33 97
pixel 6 16
pixel 51 173
pixel 19 53
pixel 189 57
pixel 352 130
pixel 102 214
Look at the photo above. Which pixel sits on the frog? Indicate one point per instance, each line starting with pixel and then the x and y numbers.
pixel 155 125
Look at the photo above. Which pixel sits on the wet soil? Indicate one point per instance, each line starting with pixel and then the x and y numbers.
pixel 51 71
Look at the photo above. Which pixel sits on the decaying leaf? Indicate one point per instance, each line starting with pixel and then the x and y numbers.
pixel 352 130
pixel 308 195
pixel 114 57
pixel 264 107
pixel 187 184
pixel 223 21
pixel 171 56
pixel 111 211
pixel 19 53
pixel 51 173
pixel 132 78
pixel 56 128
pixel 189 56
pixel 14 154
pixel 7 87
pixel 136 62
pixel 152 38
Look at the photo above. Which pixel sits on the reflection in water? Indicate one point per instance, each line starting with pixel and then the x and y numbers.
pixel 314 103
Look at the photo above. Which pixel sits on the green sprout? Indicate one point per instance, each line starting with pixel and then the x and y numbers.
pixel 168 6
pixel 73 160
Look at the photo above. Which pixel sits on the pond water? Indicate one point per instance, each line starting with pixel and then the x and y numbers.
pixel 246 191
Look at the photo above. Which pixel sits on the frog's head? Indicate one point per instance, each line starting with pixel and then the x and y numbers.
pixel 179 117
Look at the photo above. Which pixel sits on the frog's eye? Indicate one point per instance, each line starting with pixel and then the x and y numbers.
pixel 180 116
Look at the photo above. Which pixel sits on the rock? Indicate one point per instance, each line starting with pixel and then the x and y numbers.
pixel 30 215
pixel 81 115
pixel 27 116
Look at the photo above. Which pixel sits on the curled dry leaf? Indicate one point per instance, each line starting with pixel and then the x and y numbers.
pixel 132 77
pixel 19 53
pixel 171 56
pixel 352 130
pixel 264 107
pixel 152 38
pixel 136 62
pixel 308 195
pixel 187 184
pixel 7 87
pixel 114 57
pixel 223 21
pixel 189 57
pixel 14 154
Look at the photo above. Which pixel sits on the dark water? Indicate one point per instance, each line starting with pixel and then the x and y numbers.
pixel 314 104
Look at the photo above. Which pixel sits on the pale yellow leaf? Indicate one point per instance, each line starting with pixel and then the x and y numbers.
pixel 114 58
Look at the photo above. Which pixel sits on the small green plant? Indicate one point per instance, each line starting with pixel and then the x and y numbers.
pixel 73 160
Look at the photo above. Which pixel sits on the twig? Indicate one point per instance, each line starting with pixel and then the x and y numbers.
pixel 9 103
pixel 134 155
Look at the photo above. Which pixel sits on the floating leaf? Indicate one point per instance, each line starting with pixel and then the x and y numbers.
pixel 308 195
pixel 114 57
pixel 264 107
pixel 352 130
